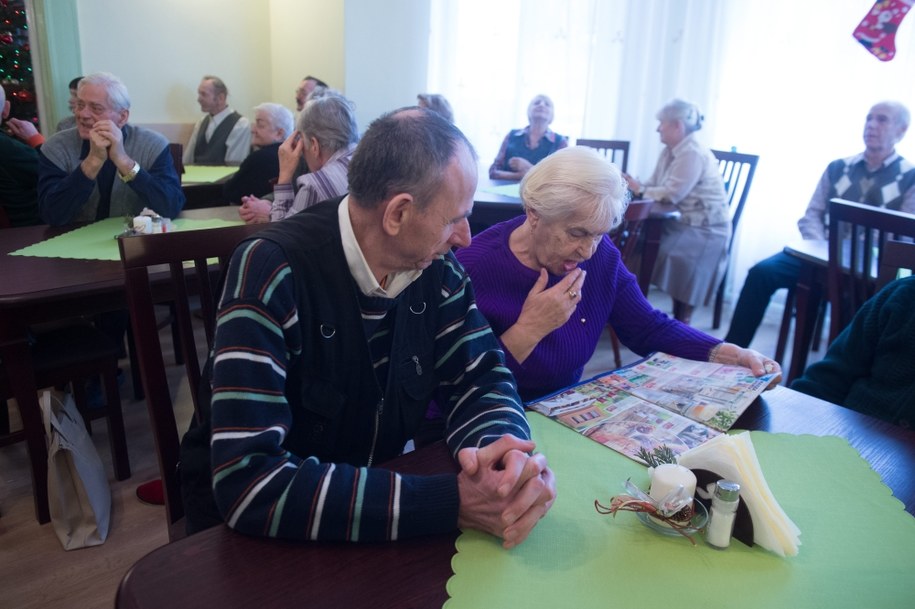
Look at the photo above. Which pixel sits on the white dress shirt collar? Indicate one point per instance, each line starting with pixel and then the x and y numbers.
pixel 359 268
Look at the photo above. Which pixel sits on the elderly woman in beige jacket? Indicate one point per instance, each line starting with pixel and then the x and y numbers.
pixel 693 253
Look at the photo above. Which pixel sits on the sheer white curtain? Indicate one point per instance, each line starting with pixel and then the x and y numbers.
pixel 779 78
pixel 796 87
pixel 607 65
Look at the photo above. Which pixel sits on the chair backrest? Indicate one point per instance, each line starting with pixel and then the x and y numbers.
pixel 616 151
pixel 189 256
pixel 857 237
pixel 737 171
pixel 627 235
pixel 177 152
pixel 896 255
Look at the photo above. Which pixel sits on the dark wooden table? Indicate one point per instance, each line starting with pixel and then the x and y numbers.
pixel 35 290
pixel 221 568
pixel 490 208
pixel 200 193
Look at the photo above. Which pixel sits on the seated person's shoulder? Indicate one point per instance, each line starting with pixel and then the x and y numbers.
pixel 903 288
pixel 258 260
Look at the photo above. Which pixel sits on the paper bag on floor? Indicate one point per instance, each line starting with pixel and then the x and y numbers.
pixel 78 493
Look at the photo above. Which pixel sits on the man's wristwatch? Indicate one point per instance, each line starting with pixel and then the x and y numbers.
pixel 132 173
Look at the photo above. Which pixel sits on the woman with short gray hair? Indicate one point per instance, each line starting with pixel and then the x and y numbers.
pixel 436 103
pixel 272 124
pixel 694 249
pixel 550 281
pixel 523 148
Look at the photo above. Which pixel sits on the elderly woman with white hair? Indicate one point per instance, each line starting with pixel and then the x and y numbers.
pixel 694 250
pixel 550 281
pixel 273 123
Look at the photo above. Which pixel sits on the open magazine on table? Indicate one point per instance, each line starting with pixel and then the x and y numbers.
pixel 659 400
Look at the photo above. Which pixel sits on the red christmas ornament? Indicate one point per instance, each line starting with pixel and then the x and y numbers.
pixel 6 37
pixel 24 96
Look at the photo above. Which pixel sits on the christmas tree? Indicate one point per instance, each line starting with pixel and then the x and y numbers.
pixel 16 61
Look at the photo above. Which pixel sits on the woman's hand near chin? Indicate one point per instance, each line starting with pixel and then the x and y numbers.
pixel 544 310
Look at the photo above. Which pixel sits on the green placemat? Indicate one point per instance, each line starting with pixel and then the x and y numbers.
pixel 506 190
pixel 96 241
pixel 206 173
pixel 858 543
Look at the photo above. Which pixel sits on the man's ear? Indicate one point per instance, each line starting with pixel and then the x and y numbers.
pixel 6 109
pixel 122 118
pixel 397 212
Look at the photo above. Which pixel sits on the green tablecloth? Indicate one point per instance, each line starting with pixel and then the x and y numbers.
pixel 199 174
pixel 858 542
pixel 96 241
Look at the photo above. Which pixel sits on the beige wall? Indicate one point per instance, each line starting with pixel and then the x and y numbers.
pixel 375 52
pixel 306 37
pixel 161 48
pixel 387 54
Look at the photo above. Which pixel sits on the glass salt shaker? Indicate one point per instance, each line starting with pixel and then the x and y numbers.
pixel 723 513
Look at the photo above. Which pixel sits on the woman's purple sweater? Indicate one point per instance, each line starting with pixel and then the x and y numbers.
pixel 610 295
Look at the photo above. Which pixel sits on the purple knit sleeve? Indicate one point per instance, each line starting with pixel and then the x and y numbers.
pixel 644 329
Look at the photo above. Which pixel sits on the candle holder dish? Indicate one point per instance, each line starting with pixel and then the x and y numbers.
pixel 696 523
pixel 659 515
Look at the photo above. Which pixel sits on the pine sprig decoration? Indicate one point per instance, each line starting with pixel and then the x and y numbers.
pixel 659 456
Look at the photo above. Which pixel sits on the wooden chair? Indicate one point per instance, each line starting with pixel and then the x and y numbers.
pixel 737 171
pixel 616 151
pixel 896 255
pixel 626 238
pixel 857 235
pixel 178 250
pixel 177 152
pixel 71 355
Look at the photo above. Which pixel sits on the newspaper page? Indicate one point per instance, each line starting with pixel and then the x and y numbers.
pixel 662 400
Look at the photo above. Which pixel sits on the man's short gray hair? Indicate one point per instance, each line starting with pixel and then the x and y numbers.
pixel 218 86
pixel 330 120
pixel 118 98
pixel 683 111
pixel 279 116
pixel 574 179
pixel 899 110
pixel 404 151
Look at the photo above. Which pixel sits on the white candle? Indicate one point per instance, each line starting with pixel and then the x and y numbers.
pixel 667 477
pixel 142 225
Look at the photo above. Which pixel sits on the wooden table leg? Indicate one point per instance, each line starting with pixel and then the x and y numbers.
pixel 807 297
pixel 17 360
pixel 649 252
